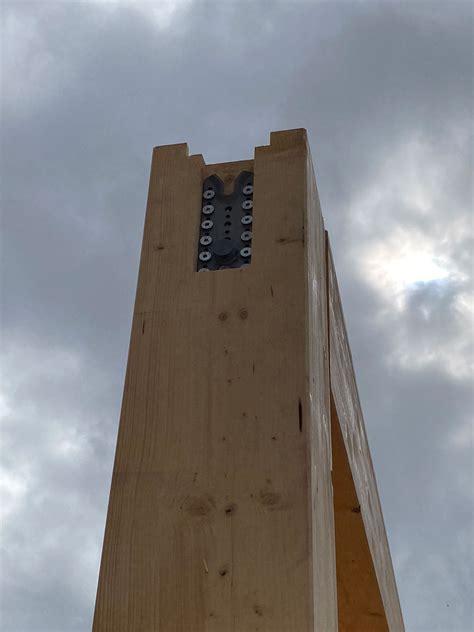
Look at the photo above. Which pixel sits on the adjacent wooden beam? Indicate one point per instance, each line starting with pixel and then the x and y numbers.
pixel 359 603
pixel 367 592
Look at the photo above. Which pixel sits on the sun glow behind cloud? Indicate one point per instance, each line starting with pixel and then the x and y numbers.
pixel 403 260
pixel 406 247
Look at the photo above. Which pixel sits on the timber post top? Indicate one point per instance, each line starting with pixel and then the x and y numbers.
pixel 279 140
pixel 224 239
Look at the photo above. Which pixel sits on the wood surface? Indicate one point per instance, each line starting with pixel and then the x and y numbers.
pixel 220 514
pixel 317 356
pixel 359 603
pixel 367 592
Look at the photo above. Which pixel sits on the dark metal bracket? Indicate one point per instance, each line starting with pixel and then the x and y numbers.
pixel 225 238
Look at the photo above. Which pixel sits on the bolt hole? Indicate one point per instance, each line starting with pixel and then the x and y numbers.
pixel 228 209
pixel 227 223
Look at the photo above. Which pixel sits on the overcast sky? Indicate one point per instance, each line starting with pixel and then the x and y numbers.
pixel 385 91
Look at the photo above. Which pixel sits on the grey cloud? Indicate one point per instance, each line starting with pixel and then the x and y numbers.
pixel 94 89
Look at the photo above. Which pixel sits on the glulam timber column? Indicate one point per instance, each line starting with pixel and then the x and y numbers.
pixel 220 514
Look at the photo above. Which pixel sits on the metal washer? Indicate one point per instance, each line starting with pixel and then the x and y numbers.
pixel 212 231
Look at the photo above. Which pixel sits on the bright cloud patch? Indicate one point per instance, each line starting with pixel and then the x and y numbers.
pixel 402 260
pixel 408 249
pixel 160 13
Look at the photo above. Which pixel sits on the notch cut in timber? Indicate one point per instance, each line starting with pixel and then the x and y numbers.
pixel 222 514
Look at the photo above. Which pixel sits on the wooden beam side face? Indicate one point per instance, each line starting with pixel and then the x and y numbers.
pixel 351 421
pixel 360 606
pixel 324 576
pixel 209 525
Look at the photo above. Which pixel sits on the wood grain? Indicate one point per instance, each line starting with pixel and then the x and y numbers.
pixel 359 602
pixel 220 512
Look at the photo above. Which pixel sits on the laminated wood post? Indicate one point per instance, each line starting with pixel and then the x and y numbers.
pixel 221 514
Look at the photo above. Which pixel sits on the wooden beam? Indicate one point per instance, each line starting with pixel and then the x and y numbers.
pixel 367 592
pixel 359 603
pixel 220 514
